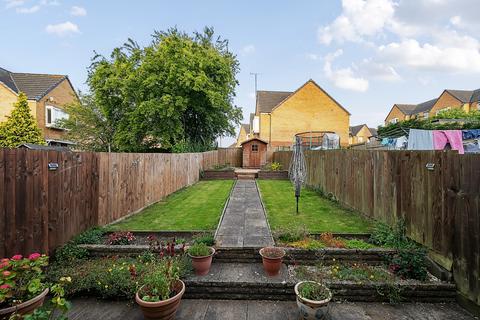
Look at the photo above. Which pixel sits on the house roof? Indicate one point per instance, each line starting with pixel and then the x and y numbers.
pixel 258 139
pixel 406 108
pixel 475 96
pixel 267 101
pixel 34 85
pixel 246 127
pixel 462 95
pixel 373 131
pixel 424 106
pixel 354 130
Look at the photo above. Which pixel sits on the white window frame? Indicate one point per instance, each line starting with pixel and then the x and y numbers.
pixel 394 120
pixel 55 115
pixel 425 115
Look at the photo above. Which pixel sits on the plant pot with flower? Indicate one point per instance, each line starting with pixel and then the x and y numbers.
pixel 272 258
pixel 22 287
pixel 312 300
pixel 161 291
pixel 201 255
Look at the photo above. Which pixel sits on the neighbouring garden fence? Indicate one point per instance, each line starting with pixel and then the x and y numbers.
pixel 436 192
pixel 43 206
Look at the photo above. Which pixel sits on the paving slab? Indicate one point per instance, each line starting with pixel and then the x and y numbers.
pixel 244 223
pixel 92 309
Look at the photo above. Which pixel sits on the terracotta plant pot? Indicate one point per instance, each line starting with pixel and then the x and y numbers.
pixel 202 264
pixel 312 309
pixel 25 307
pixel 272 263
pixel 162 310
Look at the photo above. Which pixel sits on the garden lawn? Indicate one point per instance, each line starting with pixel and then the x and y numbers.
pixel 317 214
pixel 197 207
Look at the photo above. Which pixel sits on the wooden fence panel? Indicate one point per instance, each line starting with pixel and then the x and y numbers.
pixel 440 206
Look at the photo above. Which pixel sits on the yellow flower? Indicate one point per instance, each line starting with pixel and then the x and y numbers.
pixel 69 279
pixel 371 277
pixel 110 270
pixel 99 283
pixel 106 286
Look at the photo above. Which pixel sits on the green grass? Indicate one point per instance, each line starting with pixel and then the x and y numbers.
pixel 317 214
pixel 194 208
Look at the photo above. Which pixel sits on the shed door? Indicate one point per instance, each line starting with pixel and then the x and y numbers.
pixel 255 155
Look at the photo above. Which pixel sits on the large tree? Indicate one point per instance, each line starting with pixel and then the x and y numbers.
pixel 173 94
pixel 87 125
pixel 20 127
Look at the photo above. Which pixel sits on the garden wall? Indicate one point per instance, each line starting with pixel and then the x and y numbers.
pixel 41 209
pixel 441 206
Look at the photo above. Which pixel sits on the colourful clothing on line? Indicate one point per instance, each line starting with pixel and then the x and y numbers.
pixel 453 137
pixel 420 139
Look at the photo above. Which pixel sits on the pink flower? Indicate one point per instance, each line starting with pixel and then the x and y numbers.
pixel 34 256
pixel 5 260
pixel 6 273
pixel 4 264
pixel 17 257
pixel 5 286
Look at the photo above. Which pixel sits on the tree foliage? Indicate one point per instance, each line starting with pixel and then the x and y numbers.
pixel 20 127
pixel 175 94
pixel 87 125
pixel 460 120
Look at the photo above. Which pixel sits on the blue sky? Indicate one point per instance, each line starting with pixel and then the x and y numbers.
pixel 368 54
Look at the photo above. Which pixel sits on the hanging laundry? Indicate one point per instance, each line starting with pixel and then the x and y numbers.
pixel 420 140
pixel 453 137
pixel 470 134
pixel 401 143
pixel 472 147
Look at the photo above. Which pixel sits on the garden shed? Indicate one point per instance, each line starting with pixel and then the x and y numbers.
pixel 254 153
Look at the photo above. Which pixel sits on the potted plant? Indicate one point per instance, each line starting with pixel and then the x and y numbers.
pixel 201 255
pixel 312 300
pixel 22 287
pixel 272 260
pixel 161 291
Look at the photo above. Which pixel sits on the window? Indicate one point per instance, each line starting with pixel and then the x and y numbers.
pixel 394 120
pixel 254 147
pixel 425 115
pixel 360 139
pixel 441 110
pixel 53 115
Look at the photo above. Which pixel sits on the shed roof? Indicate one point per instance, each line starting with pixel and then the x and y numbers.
pixel 252 139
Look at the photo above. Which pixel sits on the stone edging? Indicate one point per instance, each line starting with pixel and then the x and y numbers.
pixel 224 209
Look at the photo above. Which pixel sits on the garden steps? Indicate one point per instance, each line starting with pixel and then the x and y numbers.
pixel 247 281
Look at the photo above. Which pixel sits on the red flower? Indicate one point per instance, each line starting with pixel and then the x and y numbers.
pixel 17 257
pixel 5 286
pixel 34 256
pixel 6 273
pixel 4 264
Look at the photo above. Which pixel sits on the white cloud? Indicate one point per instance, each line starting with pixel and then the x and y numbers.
pixel 434 57
pixel 29 10
pixel 343 78
pixel 62 29
pixel 49 3
pixel 312 56
pixel 13 3
pixel 379 71
pixel 359 19
pixel 248 49
pixel 78 11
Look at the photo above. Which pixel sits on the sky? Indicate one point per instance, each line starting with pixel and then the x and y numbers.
pixel 367 54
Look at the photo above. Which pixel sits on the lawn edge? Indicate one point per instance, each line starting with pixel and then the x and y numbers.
pixel 225 208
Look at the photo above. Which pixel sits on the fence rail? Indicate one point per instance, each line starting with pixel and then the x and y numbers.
pixel 41 209
pixel 441 207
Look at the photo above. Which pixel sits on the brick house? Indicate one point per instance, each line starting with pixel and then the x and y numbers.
pixel 467 100
pixel 47 95
pixel 361 133
pixel 280 115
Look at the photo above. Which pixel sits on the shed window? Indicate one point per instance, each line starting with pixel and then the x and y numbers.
pixel 254 147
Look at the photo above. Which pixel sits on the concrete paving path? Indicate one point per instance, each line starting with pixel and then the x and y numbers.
pixel 244 223
pixel 91 309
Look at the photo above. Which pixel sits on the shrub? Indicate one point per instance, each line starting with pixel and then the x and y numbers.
pixel 360 273
pixel 409 263
pixel 70 253
pixel 357 244
pixel 199 250
pixel 307 243
pixel 292 234
pixel 120 238
pixel 205 238
pixel 91 236
pixel 384 235
pixel 313 291
pixel 330 241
